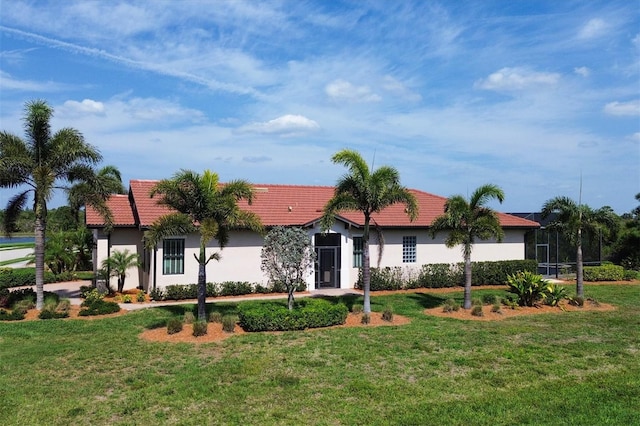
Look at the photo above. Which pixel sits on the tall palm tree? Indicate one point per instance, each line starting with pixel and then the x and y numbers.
pixel 42 163
pixel 203 205
pixel 367 192
pixel 107 181
pixel 573 219
pixel 467 221
pixel 118 264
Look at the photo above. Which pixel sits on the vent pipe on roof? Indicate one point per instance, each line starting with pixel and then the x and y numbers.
pixel 290 209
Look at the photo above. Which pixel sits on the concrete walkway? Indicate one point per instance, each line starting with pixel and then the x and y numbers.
pixel 71 290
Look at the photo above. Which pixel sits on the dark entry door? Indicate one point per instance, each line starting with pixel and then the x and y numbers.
pixel 327 267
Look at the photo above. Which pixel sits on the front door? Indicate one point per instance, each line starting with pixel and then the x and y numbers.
pixel 327 267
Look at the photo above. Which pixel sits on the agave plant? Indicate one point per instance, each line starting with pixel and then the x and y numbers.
pixel 530 288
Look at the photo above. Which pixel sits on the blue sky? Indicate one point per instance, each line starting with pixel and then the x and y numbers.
pixel 530 95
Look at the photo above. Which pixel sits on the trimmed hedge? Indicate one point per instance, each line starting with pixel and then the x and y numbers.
pixel 17 277
pixel 9 298
pixel 275 316
pixel 606 272
pixel 227 288
pixel 98 307
pixel 439 275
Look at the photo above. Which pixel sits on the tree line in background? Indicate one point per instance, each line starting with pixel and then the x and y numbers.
pixel 46 161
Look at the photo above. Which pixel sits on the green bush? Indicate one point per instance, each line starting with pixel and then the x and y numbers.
pixel 215 317
pixel 605 272
pixel 357 308
pixel 528 287
pixel 15 315
pixel 235 288
pixel 387 314
pixel 630 275
pixel 199 328
pixel 476 311
pixel 366 319
pixel 98 307
pixel 229 323
pixel 275 316
pixel 554 294
pixel 189 317
pixel 140 297
pixel 450 305
pixel 174 325
pixel 52 314
pixel 496 308
pixel 92 296
pixel 18 277
pixel 181 291
pixel 157 295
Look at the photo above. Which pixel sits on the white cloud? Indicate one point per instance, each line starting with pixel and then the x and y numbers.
pixel 583 71
pixel 398 89
pixel 623 108
pixel 7 82
pixel 516 79
pixel 343 90
pixel 286 125
pixel 594 28
pixel 635 137
pixel 87 106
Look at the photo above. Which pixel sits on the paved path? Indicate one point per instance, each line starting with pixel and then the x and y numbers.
pixel 71 290
pixel 19 253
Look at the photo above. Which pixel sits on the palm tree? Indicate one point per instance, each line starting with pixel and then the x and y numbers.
pixel 107 181
pixel 42 163
pixel 573 219
pixel 202 204
pixel 367 192
pixel 118 263
pixel 467 221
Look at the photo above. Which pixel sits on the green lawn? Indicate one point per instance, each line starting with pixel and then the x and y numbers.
pixel 579 368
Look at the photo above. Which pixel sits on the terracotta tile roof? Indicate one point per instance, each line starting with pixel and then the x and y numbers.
pixel 120 209
pixel 302 205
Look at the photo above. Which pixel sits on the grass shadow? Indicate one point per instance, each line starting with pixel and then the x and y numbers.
pixel 428 300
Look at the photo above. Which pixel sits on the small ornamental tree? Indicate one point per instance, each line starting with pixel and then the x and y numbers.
pixel 287 257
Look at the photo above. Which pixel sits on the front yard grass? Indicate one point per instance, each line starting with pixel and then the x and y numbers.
pixel 569 368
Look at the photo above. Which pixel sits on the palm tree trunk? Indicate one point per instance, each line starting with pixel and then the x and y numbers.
pixel 40 232
pixel 202 284
pixel 467 281
pixel 579 268
pixel 366 276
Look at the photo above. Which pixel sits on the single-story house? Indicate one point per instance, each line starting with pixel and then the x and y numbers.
pixel 339 252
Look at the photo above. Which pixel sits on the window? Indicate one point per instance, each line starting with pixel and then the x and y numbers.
pixel 409 249
pixel 358 250
pixel 173 257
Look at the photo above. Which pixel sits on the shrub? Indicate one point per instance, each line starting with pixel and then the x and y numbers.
pixel 476 311
pixel 215 317
pixel 140 297
pixel 15 315
pixel 496 308
pixel 84 290
pixel 24 304
pixel 4 297
pixel 52 314
pixel 275 316
pixel 157 295
pixel 18 277
pixel 189 317
pixel 605 272
pixel 259 288
pixel 64 305
pixel 126 298
pixel 229 323
pixel 527 286
pixel 477 301
pixel 92 296
pixel 199 328
pixel 630 275
pixel 98 307
pixel 554 294
pixel 181 292
pixel 357 308
pixel 387 314
pixel 174 325
pixel 450 305
pixel 235 288
pixel 366 319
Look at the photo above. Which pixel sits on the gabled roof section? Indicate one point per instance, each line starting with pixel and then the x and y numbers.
pixel 297 205
pixel 120 209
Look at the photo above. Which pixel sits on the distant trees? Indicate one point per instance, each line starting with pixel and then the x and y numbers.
pixel 466 221
pixel 626 248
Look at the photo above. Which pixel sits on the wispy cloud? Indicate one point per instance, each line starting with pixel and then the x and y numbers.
pixel 7 82
pixel 507 79
pixel 595 27
pixel 341 90
pixel 286 125
pixel 623 108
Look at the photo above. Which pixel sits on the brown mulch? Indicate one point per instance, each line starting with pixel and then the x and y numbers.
pixel 506 312
pixel 215 333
